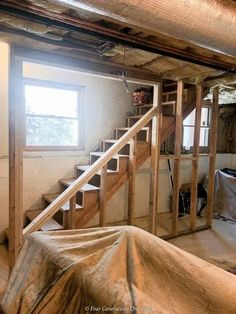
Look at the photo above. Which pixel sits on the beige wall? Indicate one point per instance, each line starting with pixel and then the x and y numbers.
pixel 105 107
pixel 233 163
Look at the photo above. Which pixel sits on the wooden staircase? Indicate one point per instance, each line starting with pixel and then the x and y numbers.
pixel 77 212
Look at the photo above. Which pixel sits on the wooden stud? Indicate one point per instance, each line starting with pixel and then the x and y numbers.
pixel 194 180
pixel 72 212
pixel 212 157
pixel 103 197
pixel 178 143
pixel 155 157
pixel 15 159
pixel 131 187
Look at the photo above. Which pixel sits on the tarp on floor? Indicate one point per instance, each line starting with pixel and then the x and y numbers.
pixel 225 195
pixel 114 270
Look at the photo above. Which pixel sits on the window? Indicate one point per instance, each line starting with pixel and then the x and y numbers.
pixel 188 132
pixel 52 115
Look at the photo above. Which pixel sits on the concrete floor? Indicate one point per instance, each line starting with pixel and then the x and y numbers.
pixel 216 245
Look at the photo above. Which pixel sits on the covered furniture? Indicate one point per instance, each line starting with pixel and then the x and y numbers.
pixel 225 195
pixel 115 270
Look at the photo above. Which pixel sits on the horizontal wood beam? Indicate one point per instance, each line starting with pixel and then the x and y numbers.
pixel 162 44
pixel 83 62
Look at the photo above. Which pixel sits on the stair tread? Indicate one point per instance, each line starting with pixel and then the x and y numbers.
pixel 52 196
pixel 85 167
pixel 126 129
pixel 169 93
pixel 165 103
pixel 168 115
pixel 50 225
pixel 85 188
pixel 143 105
pixel 114 141
pixel 134 116
pixel 99 154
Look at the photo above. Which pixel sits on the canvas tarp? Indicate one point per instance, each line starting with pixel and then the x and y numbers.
pixel 225 195
pixel 114 270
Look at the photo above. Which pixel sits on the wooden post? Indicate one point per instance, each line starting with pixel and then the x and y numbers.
pixel 195 161
pixel 178 143
pixel 155 159
pixel 132 170
pixel 103 200
pixel 15 159
pixel 212 157
pixel 72 212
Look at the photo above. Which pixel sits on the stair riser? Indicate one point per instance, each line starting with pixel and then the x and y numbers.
pixel 111 180
pixel 169 97
pixel 84 217
pixel 87 199
pixel 94 181
pixel 140 110
pixel 141 136
pixel 131 121
pixel 123 151
pixel 112 164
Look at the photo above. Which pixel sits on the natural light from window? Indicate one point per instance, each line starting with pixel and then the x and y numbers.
pixel 51 116
pixel 188 131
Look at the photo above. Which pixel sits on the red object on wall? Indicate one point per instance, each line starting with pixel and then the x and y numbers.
pixel 142 96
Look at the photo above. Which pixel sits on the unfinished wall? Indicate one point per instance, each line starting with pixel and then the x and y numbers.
pixel 233 161
pixel 4 57
pixel 226 141
pixel 142 187
pixel 106 105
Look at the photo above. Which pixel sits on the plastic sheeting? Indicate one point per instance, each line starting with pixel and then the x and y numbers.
pixel 114 270
pixel 225 195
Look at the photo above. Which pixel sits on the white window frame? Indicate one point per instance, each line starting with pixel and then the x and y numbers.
pixel 202 148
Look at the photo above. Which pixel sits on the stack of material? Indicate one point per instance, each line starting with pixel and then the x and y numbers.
pixel 112 270
pixel 225 195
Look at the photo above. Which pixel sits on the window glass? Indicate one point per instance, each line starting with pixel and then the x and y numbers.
pixel 188 129
pixel 49 101
pixel 190 119
pixel 51 116
pixel 205 117
pixel 51 132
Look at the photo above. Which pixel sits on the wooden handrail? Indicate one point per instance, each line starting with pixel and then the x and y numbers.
pixel 64 197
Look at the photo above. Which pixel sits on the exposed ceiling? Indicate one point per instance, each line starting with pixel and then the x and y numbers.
pixel 121 33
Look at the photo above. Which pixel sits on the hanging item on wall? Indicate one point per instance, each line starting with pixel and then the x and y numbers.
pixel 142 96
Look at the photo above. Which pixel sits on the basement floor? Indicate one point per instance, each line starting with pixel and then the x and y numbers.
pixel 216 245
